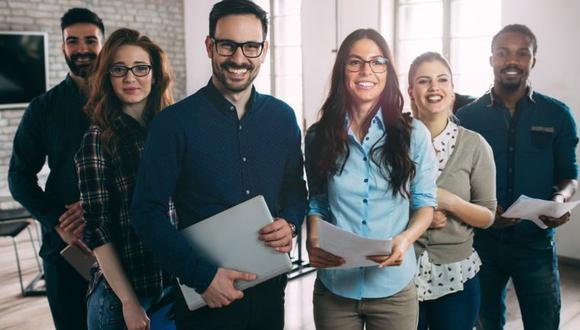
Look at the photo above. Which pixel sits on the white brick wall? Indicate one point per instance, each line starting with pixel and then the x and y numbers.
pixel 162 20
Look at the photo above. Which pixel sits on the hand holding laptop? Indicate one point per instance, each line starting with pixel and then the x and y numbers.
pixel 222 290
pixel 277 235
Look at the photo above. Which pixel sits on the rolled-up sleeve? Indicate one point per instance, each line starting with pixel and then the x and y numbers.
pixel 565 149
pixel 92 168
pixel 423 186
pixel 317 188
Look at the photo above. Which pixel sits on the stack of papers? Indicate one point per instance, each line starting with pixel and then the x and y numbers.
pixel 532 208
pixel 352 248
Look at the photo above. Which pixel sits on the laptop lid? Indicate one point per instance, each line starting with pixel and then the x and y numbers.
pixel 230 240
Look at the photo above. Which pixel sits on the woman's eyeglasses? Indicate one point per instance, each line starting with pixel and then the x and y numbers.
pixel 139 70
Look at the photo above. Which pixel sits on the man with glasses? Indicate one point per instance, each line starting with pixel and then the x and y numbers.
pixel 52 128
pixel 217 148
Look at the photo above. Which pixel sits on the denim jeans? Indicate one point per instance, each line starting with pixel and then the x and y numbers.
pixel 456 311
pixel 536 280
pixel 105 310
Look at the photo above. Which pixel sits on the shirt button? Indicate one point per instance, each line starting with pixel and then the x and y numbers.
pixel 364 222
pixel 365 200
pixel 240 127
pixel 365 159
pixel 366 180
pixel 511 148
pixel 247 192
pixel 367 138
pixel 244 159
pixel 232 108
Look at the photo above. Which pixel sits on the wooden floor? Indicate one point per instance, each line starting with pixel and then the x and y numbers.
pixel 33 312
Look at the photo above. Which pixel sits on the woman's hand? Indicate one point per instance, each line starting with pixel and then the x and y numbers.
pixel 135 316
pixel 439 219
pixel 400 245
pixel 319 258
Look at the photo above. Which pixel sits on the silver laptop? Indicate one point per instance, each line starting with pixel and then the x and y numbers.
pixel 230 240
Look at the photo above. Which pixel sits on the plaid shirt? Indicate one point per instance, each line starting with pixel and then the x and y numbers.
pixel 106 185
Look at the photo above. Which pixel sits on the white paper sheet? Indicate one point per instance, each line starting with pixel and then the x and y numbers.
pixel 531 208
pixel 352 248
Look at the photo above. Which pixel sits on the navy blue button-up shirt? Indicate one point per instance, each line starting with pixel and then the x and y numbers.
pixel 207 160
pixel 533 150
pixel 51 130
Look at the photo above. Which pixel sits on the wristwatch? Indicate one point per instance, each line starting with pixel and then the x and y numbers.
pixel 292 228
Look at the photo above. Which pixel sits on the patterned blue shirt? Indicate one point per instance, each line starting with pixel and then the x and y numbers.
pixel 360 200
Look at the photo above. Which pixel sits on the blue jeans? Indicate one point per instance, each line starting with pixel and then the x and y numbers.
pixel 105 310
pixel 536 280
pixel 456 311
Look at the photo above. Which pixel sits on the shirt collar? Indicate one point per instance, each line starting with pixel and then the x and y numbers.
pixel 493 101
pixel 444 137
pixel 377 120
pixel 124 121
pixel 222 103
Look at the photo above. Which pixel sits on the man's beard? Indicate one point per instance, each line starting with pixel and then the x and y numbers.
pixel 511 86
pixel 80 70
pixel 219 72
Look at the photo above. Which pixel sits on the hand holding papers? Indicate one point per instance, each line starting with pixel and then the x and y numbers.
pixel 352 248
pixel 532 208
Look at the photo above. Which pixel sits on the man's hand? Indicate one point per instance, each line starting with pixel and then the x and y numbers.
pixel 400 245
pixel 555 222
pixel 72 221
pixel 439 219
pixel 135 316
pixel 319 258
pixel 501 222
pixel 277 235
pixel 221 291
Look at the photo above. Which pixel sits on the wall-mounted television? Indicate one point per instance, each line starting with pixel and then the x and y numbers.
pixel 23 67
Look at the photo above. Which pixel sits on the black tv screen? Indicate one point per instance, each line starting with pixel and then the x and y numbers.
pixel 23 67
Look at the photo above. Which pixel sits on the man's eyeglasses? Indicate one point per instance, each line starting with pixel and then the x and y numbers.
pixel 377 64
pixel 250 49
pixel 139 70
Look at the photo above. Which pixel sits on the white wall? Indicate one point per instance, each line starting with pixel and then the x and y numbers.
pixel 556 25
pixel 198 65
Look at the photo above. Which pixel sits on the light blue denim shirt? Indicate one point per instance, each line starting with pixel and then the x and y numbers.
pixel 360 200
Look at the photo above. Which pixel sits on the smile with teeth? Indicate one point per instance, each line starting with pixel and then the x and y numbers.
pixel 237 71
pixel 512 73
pixel 434 98
pixel 365 84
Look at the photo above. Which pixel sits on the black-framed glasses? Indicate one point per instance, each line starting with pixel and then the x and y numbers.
pixel 139 70
pixel 377 64
pixel 250 49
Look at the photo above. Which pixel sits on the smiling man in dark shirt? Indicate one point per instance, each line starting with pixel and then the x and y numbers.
pixel 51 129
pixel 533 137
pixel 217 148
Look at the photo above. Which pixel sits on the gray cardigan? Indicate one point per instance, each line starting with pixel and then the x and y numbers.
pixel 469 174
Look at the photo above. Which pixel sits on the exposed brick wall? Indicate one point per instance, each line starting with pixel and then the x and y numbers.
pixel 162 20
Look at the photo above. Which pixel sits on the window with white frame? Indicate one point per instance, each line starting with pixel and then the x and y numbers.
pixel 281 72
pixel 461 30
